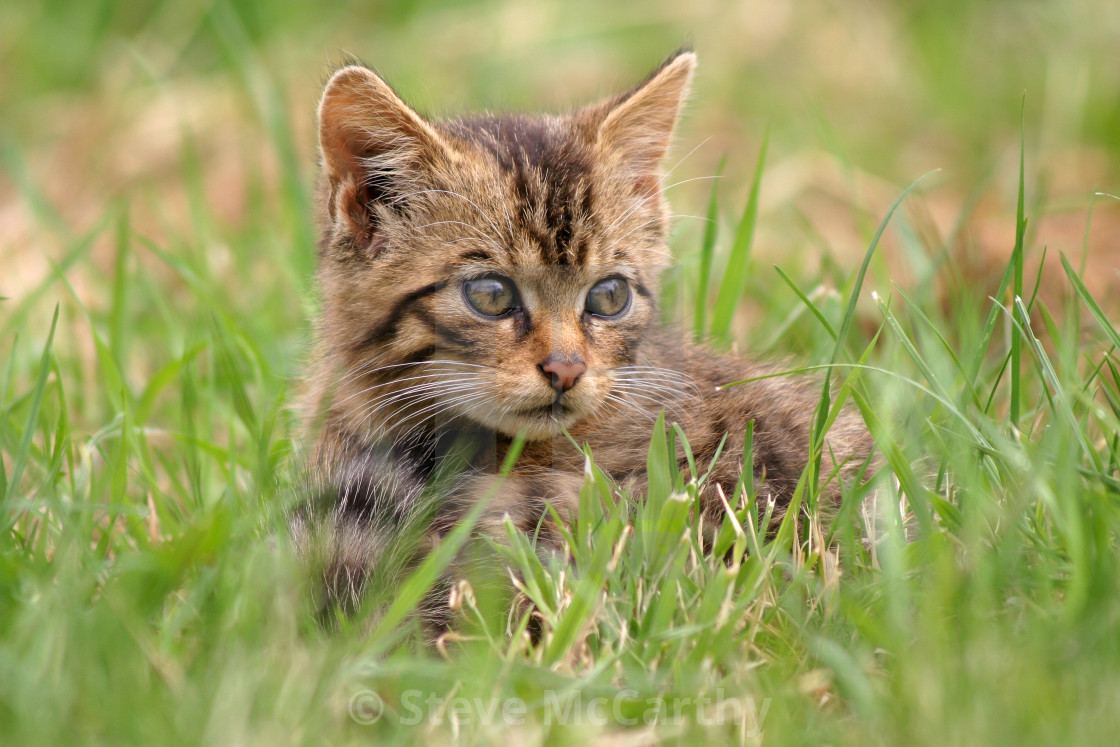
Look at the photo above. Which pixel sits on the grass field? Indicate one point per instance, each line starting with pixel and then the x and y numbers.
pixel 156 254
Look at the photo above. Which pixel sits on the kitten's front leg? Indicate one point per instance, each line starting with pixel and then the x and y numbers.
pixel 523 498
pixel 385 520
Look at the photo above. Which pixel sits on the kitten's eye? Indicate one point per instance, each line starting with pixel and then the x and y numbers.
pixel 491 295
pixel 609 297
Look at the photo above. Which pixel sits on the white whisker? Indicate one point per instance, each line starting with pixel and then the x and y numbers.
pixel 649 196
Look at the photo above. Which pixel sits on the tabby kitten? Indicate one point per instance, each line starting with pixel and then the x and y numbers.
pixel 494 275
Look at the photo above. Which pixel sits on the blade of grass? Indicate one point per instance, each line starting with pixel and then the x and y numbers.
pixel 820 425
pixel 734 280
pixel 60 271
pixel 1055 391
pixel 850 313
pixel 1095 309
pixel 807 302
pixel 3 412
pixel 1017 273
pixel 9 373
pixel 707 250
pixel 924 318
pixel 23 450
pixel 119 330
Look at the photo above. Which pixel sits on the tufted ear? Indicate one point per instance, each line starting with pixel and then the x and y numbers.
pixel 374 148
pixel 635 129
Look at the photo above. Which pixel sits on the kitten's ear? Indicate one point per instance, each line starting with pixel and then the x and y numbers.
pixel 637 126
pixel 374 147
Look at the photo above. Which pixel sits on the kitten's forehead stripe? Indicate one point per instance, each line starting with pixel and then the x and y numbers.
pixel 549 171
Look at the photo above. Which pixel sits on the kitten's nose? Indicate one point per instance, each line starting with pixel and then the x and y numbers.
pixel 562 374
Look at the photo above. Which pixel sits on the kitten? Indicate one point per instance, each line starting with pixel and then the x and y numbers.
pixel 494 275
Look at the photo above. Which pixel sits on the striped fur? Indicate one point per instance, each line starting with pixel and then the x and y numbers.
pixel 411 386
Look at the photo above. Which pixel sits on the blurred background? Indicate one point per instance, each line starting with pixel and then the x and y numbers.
pixel 192 123
pixel 157 159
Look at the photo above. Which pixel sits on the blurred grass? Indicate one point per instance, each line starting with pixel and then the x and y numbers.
pixel 155 169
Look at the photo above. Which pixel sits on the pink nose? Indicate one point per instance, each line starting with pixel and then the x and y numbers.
pixel 562 374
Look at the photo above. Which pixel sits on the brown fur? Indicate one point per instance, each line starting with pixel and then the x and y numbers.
pixel 406 373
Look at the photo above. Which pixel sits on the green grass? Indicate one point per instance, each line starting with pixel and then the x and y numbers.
pixel 155 264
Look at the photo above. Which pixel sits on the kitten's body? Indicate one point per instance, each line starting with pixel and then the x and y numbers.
pixel 484 277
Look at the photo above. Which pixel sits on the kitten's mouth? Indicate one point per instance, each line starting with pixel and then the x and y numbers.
pixel 560 408
pixel 545 420
pixel 556 409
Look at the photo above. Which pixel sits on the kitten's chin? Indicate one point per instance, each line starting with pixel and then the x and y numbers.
pixel 536 424
pixel 535 415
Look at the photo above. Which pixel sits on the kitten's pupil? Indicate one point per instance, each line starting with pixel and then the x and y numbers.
pixel 492 295
pixel 608 297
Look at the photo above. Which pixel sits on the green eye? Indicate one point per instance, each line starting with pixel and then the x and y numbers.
pixel 491 295
pixel 608 297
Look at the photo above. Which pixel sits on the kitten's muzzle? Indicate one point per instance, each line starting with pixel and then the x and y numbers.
pixel 562 373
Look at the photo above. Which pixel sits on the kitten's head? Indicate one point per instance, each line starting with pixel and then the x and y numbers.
pixel 501 270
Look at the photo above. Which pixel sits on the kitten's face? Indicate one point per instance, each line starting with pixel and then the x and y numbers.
pixel 501 271
pixel 533 348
